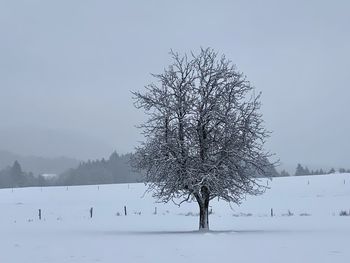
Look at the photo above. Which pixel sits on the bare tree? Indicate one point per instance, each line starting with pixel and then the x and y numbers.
pixel 204 135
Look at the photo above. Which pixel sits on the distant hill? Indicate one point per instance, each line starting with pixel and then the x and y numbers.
pixel 38 165
pixel 36 141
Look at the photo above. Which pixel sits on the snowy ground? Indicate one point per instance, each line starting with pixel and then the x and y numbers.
pixel 314 233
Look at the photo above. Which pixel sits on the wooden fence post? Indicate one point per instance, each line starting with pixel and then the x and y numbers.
pixel 91 211
pixel 125 213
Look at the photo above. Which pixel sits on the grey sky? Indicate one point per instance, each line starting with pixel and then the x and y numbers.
pixel 67 68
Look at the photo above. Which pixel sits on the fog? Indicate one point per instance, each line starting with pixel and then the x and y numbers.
pixel 67 69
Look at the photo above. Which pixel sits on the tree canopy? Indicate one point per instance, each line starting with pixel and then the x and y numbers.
pixel 204 136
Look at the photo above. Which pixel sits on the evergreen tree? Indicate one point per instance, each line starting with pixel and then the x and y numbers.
pixel 299 170
pixel 306 171
pixel 331 171
pixel 16 174
pixel 284 173
pixel 342 170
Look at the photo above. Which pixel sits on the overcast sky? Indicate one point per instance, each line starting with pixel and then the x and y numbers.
pixel 67 69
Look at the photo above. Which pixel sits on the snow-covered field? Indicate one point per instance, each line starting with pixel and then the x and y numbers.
pixel 306 226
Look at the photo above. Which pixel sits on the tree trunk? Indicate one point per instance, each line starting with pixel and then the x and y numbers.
pixel 204 216
pixel 203 203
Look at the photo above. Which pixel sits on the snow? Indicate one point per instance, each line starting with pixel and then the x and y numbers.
pixel 247 233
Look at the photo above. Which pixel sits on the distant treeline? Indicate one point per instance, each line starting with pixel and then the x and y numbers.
pixel 116 169
pixel 38 165
pixel 13 176
pixel 300 170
